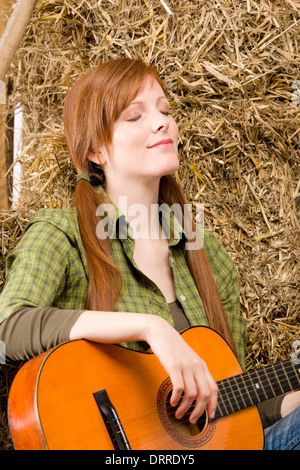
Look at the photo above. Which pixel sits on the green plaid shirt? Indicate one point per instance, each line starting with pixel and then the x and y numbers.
pixel 48 268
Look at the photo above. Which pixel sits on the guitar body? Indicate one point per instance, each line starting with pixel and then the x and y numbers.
pixel 52 406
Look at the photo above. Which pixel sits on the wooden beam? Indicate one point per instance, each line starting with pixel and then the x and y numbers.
pixel 13 33
pixel 5 7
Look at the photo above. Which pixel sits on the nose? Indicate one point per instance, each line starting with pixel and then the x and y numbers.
pixel 160 121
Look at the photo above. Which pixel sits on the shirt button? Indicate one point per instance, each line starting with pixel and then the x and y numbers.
pixel 183 298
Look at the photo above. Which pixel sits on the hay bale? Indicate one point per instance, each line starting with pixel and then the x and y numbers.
pixel 232 71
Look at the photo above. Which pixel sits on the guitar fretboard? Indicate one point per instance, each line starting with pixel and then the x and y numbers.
pixel 242 391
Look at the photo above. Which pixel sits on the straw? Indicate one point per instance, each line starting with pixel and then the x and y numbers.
pixel 232 70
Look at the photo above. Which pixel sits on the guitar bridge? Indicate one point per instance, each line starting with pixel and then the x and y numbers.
pixel 111 421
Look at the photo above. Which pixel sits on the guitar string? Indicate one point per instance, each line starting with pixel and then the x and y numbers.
pixel 245 380
pixel 253 378
pixel 241 384
pixel 151 421
pixel 132 420
pixel 225 388
pixel 273 381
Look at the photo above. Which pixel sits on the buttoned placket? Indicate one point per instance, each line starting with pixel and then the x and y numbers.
pixel 128 244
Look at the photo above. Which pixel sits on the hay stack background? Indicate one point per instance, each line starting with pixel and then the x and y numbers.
pixel 232 70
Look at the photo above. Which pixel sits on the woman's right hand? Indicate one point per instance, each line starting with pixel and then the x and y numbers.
pixel 188 373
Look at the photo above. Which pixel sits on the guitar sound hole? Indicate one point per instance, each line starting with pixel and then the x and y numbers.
pixel 183 425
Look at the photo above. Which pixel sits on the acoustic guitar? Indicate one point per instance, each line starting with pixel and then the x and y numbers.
pixel 85 395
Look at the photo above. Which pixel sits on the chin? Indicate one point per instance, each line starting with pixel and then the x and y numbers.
pixel 164 168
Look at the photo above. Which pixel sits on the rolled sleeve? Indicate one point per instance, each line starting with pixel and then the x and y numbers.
pixel 28 332
pixel 45 289
pixel 37 270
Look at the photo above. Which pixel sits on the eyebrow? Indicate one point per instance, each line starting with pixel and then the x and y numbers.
pixel 163 97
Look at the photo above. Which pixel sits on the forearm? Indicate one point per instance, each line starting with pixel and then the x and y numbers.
pixel 114 327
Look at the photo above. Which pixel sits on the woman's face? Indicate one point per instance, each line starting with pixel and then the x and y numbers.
pixel 144 143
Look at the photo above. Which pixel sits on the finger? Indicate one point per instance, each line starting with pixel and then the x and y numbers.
pixel 200 404
pixel 207 401
pixel 186 403
pixel 178 388
pixel 213 398
pixel 189 396
pixel 184 392
pixel 206 397
pixel 213 401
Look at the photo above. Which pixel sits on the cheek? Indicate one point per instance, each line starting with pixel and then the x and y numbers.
pixel 126 148
pixel 125 139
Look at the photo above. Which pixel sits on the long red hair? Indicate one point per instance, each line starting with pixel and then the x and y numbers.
pixel 91 108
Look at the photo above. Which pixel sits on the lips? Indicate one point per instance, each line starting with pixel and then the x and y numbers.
pixel 161 142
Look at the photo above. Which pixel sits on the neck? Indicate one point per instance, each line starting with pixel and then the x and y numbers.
pixel 138 202
pixel 253 387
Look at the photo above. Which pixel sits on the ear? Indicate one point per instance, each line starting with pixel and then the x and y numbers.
pixel 98 158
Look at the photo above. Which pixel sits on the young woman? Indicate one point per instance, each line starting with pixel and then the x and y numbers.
pixel 71 277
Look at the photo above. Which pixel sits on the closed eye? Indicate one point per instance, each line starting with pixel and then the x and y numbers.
pixel 134 119
pixel 165 113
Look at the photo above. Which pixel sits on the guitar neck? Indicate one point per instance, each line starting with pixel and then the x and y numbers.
pixel 242 391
